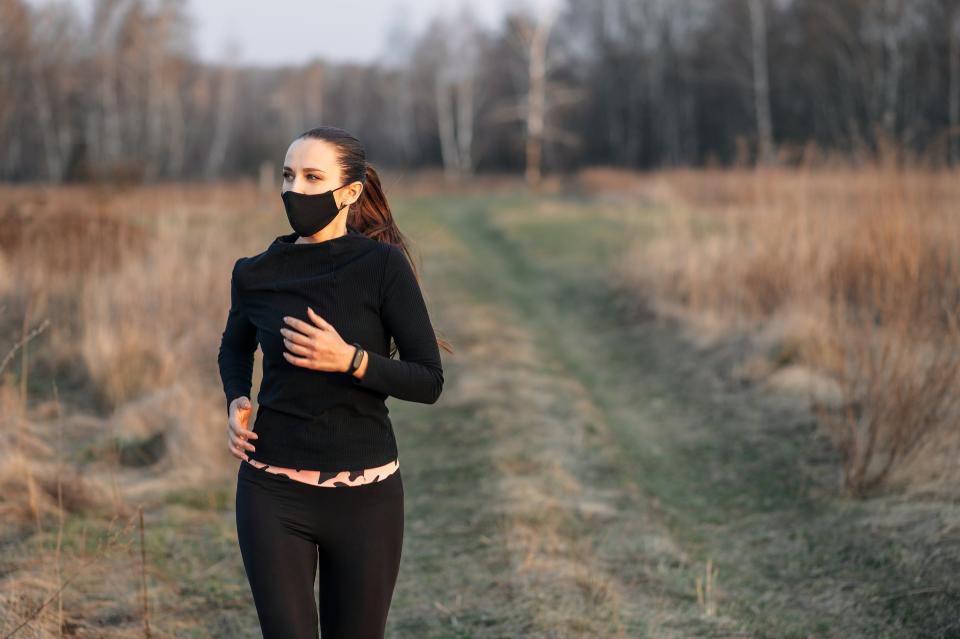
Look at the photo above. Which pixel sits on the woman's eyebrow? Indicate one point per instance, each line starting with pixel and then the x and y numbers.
pixel 287 168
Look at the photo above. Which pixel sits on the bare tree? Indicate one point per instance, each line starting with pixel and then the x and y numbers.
pixel 14 50
pixel 106 139
pixel 952 23
pixel 455 54
pixel 161 111
pixel 761 80
pixel 44 109
pixel 223 114
pixel 536 37
pixel 892 31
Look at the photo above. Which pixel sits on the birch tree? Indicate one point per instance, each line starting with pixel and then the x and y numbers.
pixel 223 114
pixel 455 89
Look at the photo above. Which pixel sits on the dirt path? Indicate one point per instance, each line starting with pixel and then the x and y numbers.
pixel 526 517
pixel 582 468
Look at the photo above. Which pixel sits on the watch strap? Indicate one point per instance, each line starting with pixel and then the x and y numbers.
pixel 357 359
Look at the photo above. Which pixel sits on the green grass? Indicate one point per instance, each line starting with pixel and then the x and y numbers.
pixel 725 467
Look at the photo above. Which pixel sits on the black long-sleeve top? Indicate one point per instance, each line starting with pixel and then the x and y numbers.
pixel 324 420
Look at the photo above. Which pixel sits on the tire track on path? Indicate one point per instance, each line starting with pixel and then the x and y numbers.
pixel 589 553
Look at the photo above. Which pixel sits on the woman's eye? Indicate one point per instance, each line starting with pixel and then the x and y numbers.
pixel 313 176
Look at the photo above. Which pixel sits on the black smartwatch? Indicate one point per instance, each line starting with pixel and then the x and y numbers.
pixel 357 358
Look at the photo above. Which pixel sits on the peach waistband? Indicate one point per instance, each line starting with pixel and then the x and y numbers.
pixel 332 478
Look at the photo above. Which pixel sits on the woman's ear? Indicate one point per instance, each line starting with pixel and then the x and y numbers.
pixel 359 192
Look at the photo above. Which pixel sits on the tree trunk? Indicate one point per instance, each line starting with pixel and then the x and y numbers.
pixel 953 89
pixel 761 81
pixel 536 98
pixel 446 127
pixel 223 117
pixel 53 157
pixel 465 108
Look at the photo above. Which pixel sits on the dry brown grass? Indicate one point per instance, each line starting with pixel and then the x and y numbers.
pixel 131 287
pixel 861 268
pixel 134 285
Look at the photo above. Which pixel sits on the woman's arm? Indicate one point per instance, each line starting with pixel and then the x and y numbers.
pixel 237 347
pixel 418 375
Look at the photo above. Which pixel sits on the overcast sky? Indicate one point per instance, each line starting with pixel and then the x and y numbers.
pixel 292 31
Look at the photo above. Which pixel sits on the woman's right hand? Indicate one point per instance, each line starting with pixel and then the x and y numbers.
pixel 238 428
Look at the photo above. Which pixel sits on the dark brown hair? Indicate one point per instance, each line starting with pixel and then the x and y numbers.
pixel 371 214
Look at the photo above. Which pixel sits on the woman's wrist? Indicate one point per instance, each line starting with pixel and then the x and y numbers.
pixel 361 369
pixel 349 352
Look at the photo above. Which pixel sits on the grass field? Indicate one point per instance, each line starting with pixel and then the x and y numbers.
pixel 591 469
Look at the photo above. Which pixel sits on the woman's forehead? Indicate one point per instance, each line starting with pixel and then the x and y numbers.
pixel 313 153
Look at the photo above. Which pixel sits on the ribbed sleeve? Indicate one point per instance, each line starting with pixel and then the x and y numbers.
pixel 417 375
pixel 238 346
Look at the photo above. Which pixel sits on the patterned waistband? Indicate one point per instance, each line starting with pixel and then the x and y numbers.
pixel 331 478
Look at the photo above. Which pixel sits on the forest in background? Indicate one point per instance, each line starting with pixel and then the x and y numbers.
pixel 626 83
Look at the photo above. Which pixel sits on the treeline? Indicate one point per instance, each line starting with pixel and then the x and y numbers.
pixel 631 83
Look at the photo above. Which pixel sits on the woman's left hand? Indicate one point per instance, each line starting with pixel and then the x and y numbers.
pixel 317 346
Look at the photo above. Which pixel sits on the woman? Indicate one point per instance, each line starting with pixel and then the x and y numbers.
pixel 319 482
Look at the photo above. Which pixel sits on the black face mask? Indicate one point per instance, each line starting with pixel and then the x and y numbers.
pixel 308 214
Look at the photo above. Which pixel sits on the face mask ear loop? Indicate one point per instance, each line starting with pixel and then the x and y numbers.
pixel 340 208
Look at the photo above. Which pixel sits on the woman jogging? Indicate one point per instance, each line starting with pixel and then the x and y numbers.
pixel 319 482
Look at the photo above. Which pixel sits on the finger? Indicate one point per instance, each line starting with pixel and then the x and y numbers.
pixel 297 361
pixel 241 430
pixel 297 348
pixel 238 454
pixel 319 321
pixel 239 442
pixel 300 325
pixel 294 336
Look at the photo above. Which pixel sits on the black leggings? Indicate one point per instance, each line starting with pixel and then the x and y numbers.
pixel 355 533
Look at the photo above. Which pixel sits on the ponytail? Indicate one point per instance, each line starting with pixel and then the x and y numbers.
pixel 371 215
